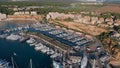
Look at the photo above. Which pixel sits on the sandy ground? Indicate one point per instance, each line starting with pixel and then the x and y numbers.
pixel 113 8
pixel 115 64
pixel 93 30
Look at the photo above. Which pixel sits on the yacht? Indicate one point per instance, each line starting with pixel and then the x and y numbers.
pixel 4 64
pixel 3 35
pixel 33 44
pixel 30 41
pixel 84 61
pixel 23 39
pixel 57 65
pixel 38 48
pixel 13 37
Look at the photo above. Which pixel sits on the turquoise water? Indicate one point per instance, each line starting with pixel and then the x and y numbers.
pixel 23 55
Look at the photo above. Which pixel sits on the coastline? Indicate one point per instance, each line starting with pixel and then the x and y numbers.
pixel 17 21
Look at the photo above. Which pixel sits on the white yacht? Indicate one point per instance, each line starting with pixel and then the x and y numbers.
pixel 30 41
pixel 84 61
pixel 13 37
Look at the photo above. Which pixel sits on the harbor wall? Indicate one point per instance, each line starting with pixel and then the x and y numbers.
pixel 20 17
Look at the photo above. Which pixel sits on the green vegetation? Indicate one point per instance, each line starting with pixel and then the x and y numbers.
pixel 106 15
pixel 110 44
pixel 57 9
pixel 68 19
pixel 34 3
pixel 103 36
pixel 5 10
pixel 47 10
pixel 46 7
pixel 117 28
pixel 7 7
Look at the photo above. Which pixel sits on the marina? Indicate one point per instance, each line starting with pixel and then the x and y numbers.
pixel 66 37
pixel 52 42
pixel 59 34
pixel 14 35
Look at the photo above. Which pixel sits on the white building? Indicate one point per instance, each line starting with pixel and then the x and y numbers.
pixel 33 13
pixel 21 13
pixel 56 15
pixel 2 16
pixel 26 13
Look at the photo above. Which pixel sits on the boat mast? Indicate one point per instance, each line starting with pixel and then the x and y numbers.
pixel 30 63
pixel 93 63
pixel 13 66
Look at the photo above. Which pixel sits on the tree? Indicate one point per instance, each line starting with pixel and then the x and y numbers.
pixel 109 43
pixel 117 28
pixel 6 11
pixel 105 15
pixel 68 19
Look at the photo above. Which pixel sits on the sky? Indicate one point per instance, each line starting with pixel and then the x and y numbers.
pixel 57 0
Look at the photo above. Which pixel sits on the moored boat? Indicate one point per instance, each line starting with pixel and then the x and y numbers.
pixel 4 64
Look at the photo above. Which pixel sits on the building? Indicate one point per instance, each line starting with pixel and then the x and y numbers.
pixel 26 13
pixel 2 16
pixel 19 13
pixel 75 59
pixel 33 13
pixel 118 21
pixel 92 3
pixel 56 15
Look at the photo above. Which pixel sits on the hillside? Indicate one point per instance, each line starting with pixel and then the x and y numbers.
pixel 112 8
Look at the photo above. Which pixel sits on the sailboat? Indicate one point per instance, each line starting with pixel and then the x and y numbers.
pixel 93 64
pixel 84 59
pixel 31 66
pixel 14 65
pixel 4 64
